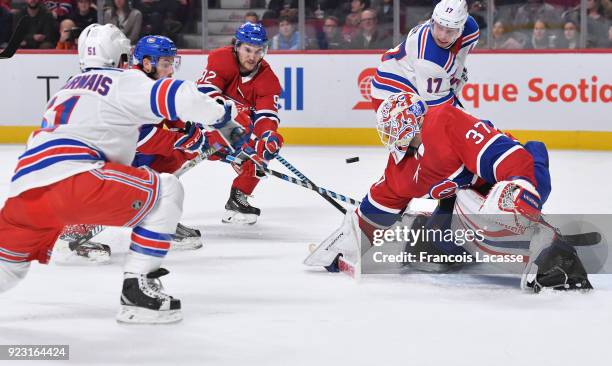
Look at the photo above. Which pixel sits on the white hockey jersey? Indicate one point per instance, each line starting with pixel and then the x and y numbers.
pixel 420 66
pixel 95 118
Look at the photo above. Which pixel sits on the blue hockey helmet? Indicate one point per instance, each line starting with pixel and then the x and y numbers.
pixel 254 34
pixel 155 47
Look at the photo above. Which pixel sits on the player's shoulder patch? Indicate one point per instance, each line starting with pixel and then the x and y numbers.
pixel 471 32
pixel 428 50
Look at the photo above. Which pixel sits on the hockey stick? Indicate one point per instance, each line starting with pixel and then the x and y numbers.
pixel 575 240
pixel 197 160
pixel 186 167
pixel 285 177
pixel 16 38
pixel 299 174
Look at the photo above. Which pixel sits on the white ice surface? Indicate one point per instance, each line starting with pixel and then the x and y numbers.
pixel 248 300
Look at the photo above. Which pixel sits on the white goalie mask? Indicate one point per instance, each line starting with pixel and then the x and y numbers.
pixel 399 119
pixel 102 46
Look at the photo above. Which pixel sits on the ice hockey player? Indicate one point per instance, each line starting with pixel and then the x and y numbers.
pixel 239 73
pixel 499 187
pixel 76 169
pixel 431 60
pixel 163 150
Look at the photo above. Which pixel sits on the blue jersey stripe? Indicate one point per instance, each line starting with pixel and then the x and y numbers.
pixel 469 42
pixel 492 153
pixel 396 78
pixel 54 143
pixel 206 89
pixel 153 99
pixel 50 161
pixel 172 98
pixel 441 100
pixel 376 215
pixel 385 87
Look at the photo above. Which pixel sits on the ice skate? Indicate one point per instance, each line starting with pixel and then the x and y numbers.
pixel 143 302
pixel 238 209
pixel 77 246
pixel 186 238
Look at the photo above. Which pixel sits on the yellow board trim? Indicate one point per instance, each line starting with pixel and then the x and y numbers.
pixel 566 140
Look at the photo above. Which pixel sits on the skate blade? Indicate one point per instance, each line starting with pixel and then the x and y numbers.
pixel 186 244
pixel 137 315
pixel 233 217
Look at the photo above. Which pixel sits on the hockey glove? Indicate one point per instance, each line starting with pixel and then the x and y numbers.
pixel 268 145
pixel 230 133
pixel 193 138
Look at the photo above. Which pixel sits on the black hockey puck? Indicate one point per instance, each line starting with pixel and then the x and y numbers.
pixel 352 160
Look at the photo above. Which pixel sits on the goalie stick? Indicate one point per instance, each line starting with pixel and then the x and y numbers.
pixel 576 240
pixel 299 174
pixel 16 38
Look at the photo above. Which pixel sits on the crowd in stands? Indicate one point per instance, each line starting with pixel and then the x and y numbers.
pixel 58 23
pixel 330 24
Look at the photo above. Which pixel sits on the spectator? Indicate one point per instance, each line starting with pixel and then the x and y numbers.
pixel 6 25
pixel 288 38
pixel 42 29
pixel 351 22
pixel 609 45
pixel 478 12
pixel 570 36
pixel 527 15
pixel 385 15
pixel 502 40
pixel 164 17
pixel 126 18
pixel 84 14
pixel 597 24
pixel 540 37
pixel 67 35
pixel 283 8
pixel 59 8
pixel 330 38
pixel 369 36
pixel 251 17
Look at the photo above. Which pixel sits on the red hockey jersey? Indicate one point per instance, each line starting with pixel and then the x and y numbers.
pixel 258 92
pixel 457 151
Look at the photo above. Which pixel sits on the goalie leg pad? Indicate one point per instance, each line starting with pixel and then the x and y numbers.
pixel 345 241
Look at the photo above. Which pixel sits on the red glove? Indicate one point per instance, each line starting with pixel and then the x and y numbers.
pixel 268 145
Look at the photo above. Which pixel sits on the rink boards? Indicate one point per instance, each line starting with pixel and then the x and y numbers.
pixel 564 99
